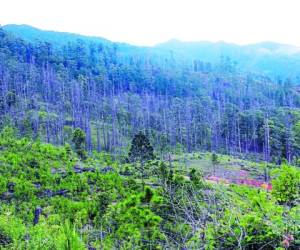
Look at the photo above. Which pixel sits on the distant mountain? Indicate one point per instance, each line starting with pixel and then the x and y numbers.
pixel 59 39
pixel 32 34
pixel 267 58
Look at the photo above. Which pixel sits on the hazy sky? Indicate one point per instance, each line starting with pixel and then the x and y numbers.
pixel 146 22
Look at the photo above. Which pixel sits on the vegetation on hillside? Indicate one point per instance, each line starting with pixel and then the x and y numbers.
pixel 110 91
pixel 51 199
pixel 111 146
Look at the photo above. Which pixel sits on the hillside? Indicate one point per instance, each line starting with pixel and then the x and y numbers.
pixel 105 145
pixel 277 61
pixel 112 90
pixel 31 34
pixel 50 199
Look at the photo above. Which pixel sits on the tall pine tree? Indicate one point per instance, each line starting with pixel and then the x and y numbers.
pixel 140 152
pixel 141 149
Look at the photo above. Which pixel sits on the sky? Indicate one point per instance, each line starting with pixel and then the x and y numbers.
pixel 148 22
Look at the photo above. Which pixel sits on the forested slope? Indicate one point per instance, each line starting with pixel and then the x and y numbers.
pixel 104 145
pixel 112 90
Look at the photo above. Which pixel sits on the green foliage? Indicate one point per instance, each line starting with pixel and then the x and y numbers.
pixel 141 149
pixel 69 239
pixel 196 177
pixel 12 230
pixel 79 143
pixel 44 236
pixel 136 226
pixel 23 189
pixel 214 158
pixel 177 208
pixel 254 221
pixel 3 184
pixel 286 185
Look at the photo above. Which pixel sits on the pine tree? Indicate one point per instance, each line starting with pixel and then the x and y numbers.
pixel 215 161
pixel 141 149
pixel 79 143
pixel 140 152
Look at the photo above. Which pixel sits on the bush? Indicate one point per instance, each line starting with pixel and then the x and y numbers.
pixel 286 185
pixel 12 231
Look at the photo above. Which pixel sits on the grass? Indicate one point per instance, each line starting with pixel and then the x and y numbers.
pixel 226 166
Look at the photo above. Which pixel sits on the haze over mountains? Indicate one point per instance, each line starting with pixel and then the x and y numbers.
pixel 275 60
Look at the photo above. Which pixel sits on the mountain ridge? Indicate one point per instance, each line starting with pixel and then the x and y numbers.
pixel 16 28
pixel 274 60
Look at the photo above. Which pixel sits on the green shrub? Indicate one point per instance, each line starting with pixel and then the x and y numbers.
pixel 286 185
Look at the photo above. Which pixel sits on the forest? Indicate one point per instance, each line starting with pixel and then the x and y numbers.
pixel 112 90
pixel 107 145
